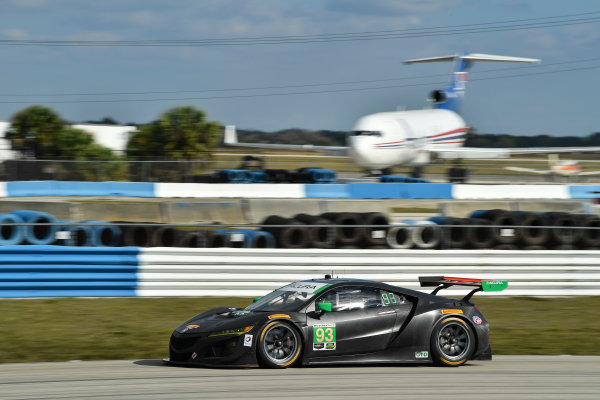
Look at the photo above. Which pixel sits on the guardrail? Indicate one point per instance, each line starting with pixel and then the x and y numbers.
pixel 55 271
pixel 253 272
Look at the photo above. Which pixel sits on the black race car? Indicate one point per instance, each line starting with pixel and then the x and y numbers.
pixel 325 321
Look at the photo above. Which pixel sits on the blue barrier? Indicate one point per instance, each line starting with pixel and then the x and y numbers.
pixel 400 191
pixel 327 191
pixel 584 191
pixel 58 188
pixel 392 190
pixel 57 271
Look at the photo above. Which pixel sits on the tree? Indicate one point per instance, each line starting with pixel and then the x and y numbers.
pixel 33 129
pixel 40 133
pixel 181 133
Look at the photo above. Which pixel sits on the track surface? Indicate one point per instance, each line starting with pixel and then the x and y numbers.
pixel 514 377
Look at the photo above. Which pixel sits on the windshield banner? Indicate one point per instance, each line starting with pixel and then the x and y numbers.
pixel 305 286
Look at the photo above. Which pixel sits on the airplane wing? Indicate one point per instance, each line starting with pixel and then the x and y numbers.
pixel 535 171
pixel 486 152
pixel 230 139
pixel 589 173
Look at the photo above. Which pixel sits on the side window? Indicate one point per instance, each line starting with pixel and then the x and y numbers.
pixel 352 298
pixel 391 298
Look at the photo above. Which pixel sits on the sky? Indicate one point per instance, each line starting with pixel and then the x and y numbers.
pixel 309 64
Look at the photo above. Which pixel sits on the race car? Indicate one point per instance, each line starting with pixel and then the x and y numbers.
pixel 340 321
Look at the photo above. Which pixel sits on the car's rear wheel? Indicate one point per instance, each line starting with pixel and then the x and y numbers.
pixel 452 342
pixel 279 345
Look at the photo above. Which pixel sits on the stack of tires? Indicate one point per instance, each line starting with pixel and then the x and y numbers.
pixel 302 175
pixel 343 230
pixel 513 230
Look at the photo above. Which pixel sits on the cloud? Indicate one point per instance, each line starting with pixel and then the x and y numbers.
pixel 14 34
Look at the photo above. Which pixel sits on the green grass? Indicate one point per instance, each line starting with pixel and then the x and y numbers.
pixel 134 328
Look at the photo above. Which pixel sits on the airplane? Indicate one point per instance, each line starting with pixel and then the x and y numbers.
pixel 412 138
pixel 566 168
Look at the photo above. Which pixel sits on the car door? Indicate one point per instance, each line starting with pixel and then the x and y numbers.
pixel 359 322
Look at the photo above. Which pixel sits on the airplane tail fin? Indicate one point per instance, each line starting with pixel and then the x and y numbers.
pixel 451 98
pixel 230 135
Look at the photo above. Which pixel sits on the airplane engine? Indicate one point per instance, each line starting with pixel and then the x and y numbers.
pixel 438 96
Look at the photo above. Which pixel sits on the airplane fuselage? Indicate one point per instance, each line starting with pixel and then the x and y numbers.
pixel 387 139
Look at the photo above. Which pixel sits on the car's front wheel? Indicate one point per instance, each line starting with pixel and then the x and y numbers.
pixel 452 342
pixel 279 345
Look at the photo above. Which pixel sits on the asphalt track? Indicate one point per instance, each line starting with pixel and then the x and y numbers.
pixel 506 377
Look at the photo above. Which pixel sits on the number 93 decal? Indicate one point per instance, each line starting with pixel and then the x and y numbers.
pixel 324 337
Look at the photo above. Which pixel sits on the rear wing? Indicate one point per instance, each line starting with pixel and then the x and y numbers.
pixel 478 285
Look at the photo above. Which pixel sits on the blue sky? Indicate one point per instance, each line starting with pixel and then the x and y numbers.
pixel 326 85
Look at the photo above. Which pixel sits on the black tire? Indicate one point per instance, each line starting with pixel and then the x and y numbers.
pixel 454 237
pixel 480 237
pixel 590 237
pixel 292 236
pixel 500 219
pixel 452 342
pixel 532 233
pixel 322 237
pixel 279 345
pixel 563 235
pixel 347 231
pixel 137 235
pixel 375 236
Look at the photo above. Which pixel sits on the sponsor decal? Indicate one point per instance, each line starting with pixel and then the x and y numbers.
pixel 278 316
pixel 452 311
pixel 306 287
pixel 194 356
pixel 248 340
pixel 476 319
pixel 325 335
pixel 240 313
pixel 494 286
pixel 422 354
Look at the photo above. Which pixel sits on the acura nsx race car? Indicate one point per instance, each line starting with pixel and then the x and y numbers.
pixel 325 321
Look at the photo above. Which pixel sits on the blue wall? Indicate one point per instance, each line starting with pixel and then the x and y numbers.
pixel 59 271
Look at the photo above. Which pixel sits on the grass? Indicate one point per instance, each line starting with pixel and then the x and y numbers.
pixel 133 328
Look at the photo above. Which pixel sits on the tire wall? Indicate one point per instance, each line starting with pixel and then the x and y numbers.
pixel 484 229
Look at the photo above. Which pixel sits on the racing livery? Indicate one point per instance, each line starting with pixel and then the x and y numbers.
pixel 327 321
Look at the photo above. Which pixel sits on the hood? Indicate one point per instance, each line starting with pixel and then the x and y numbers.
pixel 219 319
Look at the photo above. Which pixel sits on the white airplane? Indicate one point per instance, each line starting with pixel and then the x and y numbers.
pixel 410 138
pixel 566 168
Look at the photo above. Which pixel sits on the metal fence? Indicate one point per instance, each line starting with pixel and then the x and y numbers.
pixel 196 170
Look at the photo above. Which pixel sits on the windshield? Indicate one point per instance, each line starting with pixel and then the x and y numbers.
pixel 288 298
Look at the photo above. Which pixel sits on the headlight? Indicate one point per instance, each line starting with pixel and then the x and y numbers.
pixel 236 331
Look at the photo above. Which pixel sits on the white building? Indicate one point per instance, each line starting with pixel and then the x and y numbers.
pixel 115 137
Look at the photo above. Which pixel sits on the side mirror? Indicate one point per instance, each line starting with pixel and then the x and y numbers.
pixel 256 299
pixel 325 306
